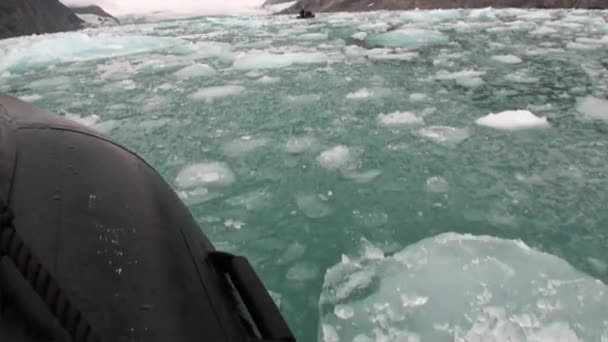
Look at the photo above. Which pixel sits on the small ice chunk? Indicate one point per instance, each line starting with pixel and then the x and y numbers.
pixel 195 70
pixel 411 38
pixel 399 119
pixel 302 271
pixel 252 200
pixel 211 93
pixel 445 134
pixel 472 82
pixel 262 44
pixel 153 123
pixel 300 144
pixel 89 120
pixel 313 36
pixel 54 82
pixel 362 177
pixel 267 80
pixel 196 196
pixel 543 30
pixel 521 77
pixel 513 120
pixel 399 56
pixel 329 333
pixel 593 108
pixel 413 301
pixel 465 78
pixel 359 35
pixel 507 59
pixel 312 206
pixel 230 223
pixel 30 98
pixel 213 173
pixel 306 98
pixel 344 312
pixel 106 126
pixel 265 60
pixel 486 14
pixel 335 157
pixel 276 298
pixel 243 145
pixel 418 97
pixel 437 184
pixel 360 94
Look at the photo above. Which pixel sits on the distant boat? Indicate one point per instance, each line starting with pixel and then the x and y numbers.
pixel 305 15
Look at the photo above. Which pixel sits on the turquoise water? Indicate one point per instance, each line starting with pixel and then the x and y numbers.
pixel 284 147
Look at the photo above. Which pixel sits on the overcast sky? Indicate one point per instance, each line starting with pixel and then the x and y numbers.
pixel 122 7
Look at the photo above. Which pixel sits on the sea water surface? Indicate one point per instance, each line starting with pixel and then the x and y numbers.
pixel 392 176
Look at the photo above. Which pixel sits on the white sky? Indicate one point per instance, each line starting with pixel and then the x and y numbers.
pixel 194 7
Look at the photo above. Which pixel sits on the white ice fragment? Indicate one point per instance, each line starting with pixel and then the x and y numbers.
pixel 399 119
pixel 335 158
pixel 252 200
pixel 209 94
pixel 329 333
pixel 344 312
pixel 362 177
pixel 231 223
pixel 89 120
pixel 30 98
pixel 300 144
pixel 543 30
pixel 195 70
pixel 418 97
pixel 213 173
pixel 390 56
pixel 359 35
pixel 313 36
pixel 437 184
pixel 466 78
pixel 445 134
pixel 513 120
pixel 265 60
pixel 359 94
pixel 486 14
pixel 411 38
pixel 593 108
pixel 267 80
pixel 507 59
pixel 312 206
pixel 413 301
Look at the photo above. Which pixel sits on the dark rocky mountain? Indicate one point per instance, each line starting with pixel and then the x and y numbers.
pixel 370 5
pixel 26 17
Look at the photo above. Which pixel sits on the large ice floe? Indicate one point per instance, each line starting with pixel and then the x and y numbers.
pixel 38 51
pixel 454 287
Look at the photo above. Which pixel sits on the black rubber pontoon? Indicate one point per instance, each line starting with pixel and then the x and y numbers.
pixel 122 250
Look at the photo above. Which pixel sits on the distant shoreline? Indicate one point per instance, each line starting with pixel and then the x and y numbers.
pixel 331 6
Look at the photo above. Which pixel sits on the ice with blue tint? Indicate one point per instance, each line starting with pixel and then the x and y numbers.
pixel 40 51
pixel 411 38
pixel 455 287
